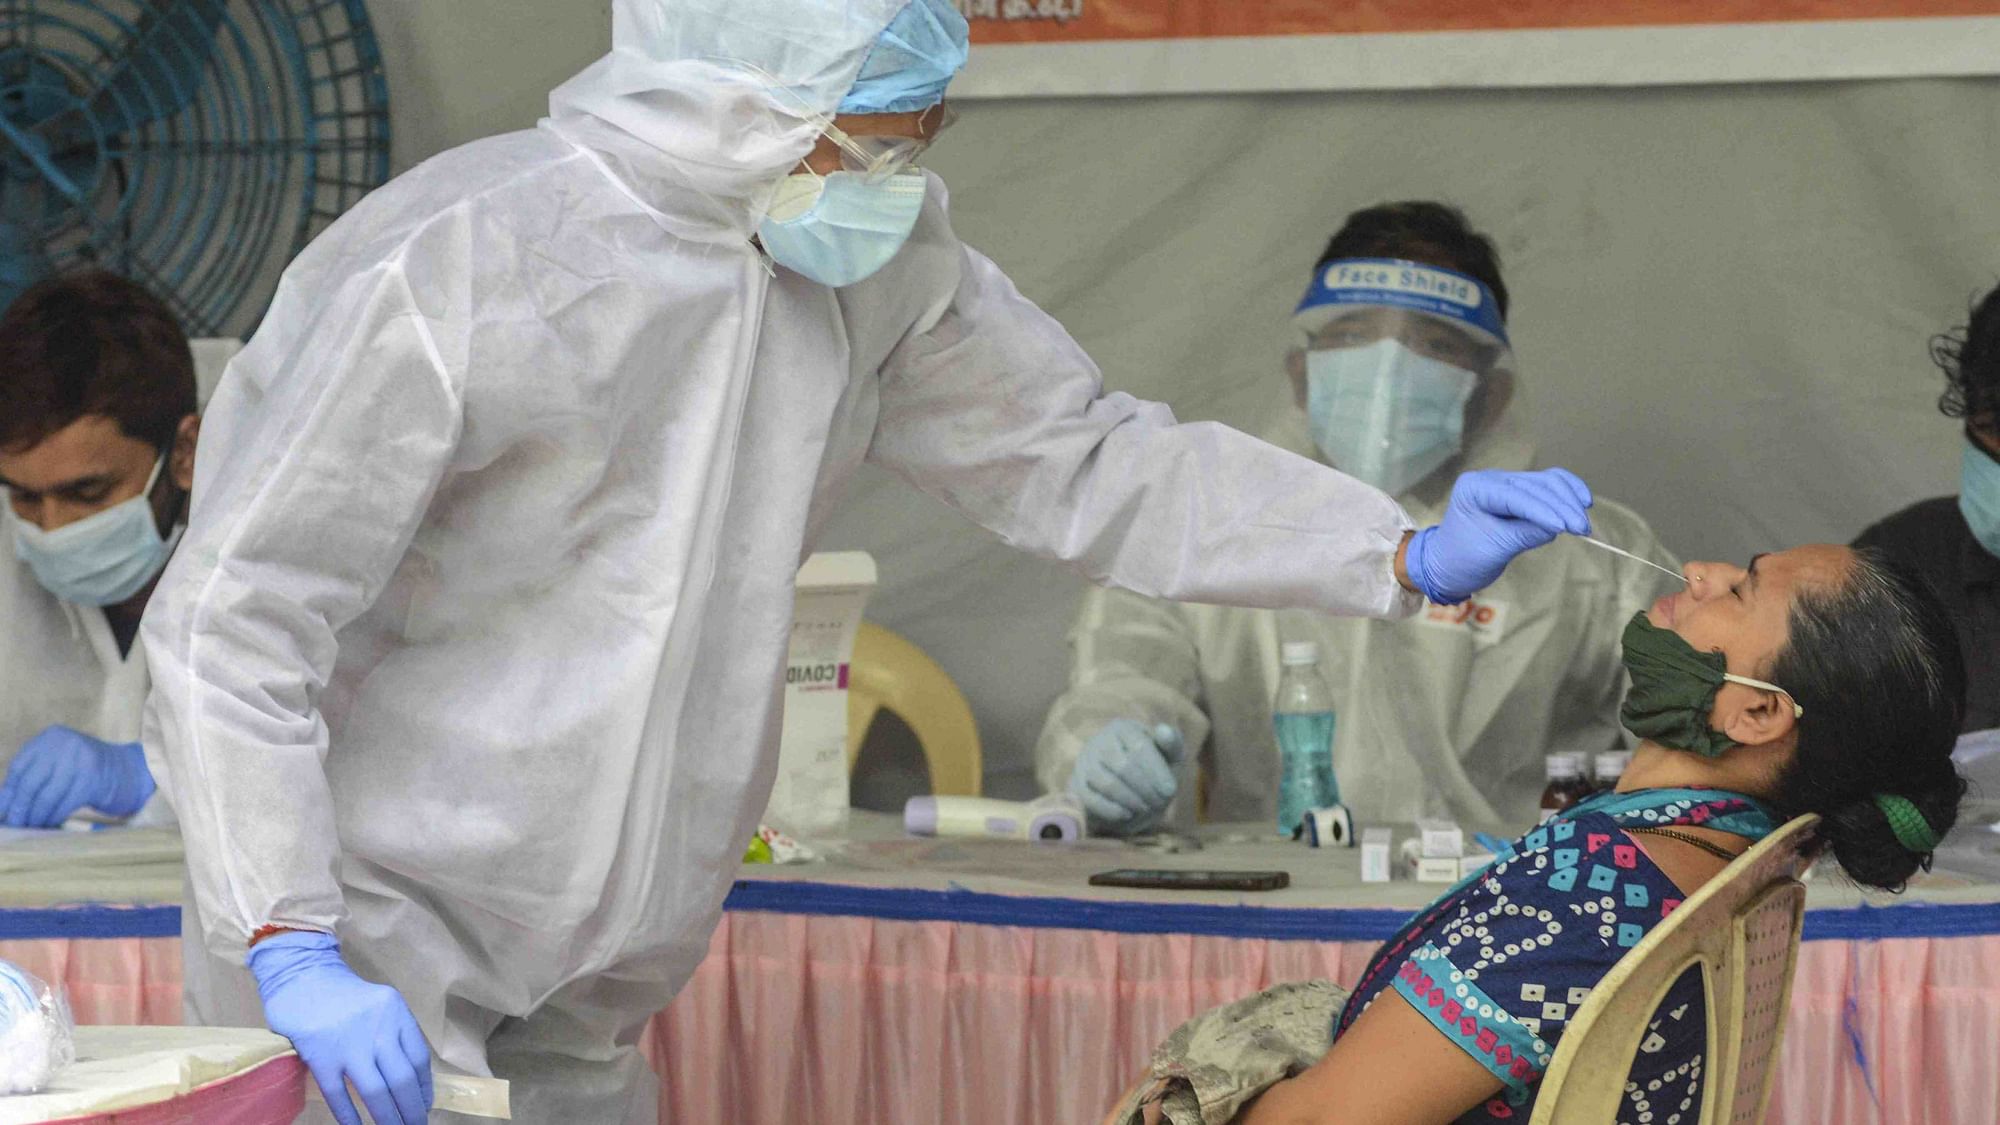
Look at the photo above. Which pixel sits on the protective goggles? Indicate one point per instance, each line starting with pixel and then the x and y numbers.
pixel 876 158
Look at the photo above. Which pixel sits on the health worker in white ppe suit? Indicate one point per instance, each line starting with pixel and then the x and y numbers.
pixel 1405 379
pixel 98 427
pixel 467 673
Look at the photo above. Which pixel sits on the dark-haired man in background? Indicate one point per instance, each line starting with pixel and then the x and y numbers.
pixel 1954 541
pixel 97 439
pixel 1404 378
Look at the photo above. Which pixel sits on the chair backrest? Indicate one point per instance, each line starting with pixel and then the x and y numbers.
pixel 1742 929
pixel 889 673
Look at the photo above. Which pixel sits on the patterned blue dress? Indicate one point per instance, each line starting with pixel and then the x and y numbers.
pixel 1501 963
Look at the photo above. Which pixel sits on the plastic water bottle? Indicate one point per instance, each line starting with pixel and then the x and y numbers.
pixel 1303 720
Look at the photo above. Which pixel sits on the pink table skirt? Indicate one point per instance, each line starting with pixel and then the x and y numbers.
pixel 121 982
pixel 822 1018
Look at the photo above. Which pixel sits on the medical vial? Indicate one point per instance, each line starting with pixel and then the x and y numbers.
pixel 1566 784
pixel 1302 717
pixel 1608 767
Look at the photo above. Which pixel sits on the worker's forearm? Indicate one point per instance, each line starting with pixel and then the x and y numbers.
pixel 1403 563
pixel 1113 486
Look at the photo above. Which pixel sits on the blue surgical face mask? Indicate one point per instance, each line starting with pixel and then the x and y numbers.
pixel 1384 414
pixel 850 228
pixel 103 559
pixel 1979 495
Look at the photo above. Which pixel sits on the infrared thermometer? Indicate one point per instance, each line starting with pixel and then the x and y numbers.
pixel 1052 819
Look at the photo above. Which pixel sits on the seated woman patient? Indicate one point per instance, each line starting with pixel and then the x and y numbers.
pixel 1816 680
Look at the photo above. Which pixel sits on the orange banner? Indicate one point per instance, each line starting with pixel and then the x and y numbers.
pixel 1078 21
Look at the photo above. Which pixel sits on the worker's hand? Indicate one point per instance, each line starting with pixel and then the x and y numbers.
pixel 1125 778
pixel 1493 517
pixel 61 770
pixel 345 1028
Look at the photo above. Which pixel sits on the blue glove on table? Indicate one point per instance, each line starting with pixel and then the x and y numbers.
pixel 61 770
pixel 345 1028
pixel 1125 780
pixel 1493 517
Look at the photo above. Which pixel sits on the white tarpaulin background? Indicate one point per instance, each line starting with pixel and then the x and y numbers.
pixel 1722 301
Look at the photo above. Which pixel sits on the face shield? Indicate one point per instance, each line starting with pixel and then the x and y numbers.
pixel 1394 352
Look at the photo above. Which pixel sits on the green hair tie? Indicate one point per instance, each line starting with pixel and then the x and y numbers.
pixel 1912 830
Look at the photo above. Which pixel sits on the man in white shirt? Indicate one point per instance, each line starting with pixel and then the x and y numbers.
pixel 1403 378
pixel 98 425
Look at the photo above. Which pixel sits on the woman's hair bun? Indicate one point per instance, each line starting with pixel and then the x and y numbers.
pixel 1866 845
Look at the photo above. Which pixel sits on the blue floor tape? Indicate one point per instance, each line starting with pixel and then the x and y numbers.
pixel 90 922
pixel 1863 923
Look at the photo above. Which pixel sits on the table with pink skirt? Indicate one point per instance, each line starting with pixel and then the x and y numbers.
pixel 906 980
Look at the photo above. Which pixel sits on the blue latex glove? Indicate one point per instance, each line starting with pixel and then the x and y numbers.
pixel 61 770
pixel 1125 779
pixel 1493 517
pixel 345 1028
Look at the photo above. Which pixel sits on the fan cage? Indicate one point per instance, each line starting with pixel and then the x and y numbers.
pixel 193 145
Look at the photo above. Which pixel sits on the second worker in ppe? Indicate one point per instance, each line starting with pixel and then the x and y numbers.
pixel 468 670
pixel 1403 378
pixel 98 427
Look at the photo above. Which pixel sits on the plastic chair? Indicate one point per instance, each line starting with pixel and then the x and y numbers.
pixel 1742 927
pixel 889 673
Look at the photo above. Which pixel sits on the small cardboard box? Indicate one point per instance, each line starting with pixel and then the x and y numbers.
pixel 810 794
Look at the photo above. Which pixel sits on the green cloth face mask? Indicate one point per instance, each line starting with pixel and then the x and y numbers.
pixel 1673 690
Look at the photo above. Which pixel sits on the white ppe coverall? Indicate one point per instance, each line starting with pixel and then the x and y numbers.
pixel 1451 712
pixel 473 652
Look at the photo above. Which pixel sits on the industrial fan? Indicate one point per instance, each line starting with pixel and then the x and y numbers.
pixel 192 145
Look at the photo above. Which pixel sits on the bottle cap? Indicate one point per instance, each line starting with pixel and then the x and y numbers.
pixel 1612 763
pixel 1562 767
pixel 1295 653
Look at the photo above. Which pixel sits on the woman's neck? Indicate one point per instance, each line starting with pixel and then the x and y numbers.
pixel 1657 767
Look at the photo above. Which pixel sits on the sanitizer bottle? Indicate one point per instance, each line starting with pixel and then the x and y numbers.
pixel 1303 719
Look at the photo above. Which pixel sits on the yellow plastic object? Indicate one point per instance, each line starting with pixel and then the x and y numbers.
pixel 1742 928
pixel 888 672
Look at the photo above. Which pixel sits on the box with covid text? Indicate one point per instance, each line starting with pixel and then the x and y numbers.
pixel 810 795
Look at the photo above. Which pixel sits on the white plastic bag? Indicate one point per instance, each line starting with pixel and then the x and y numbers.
pixel 37 1035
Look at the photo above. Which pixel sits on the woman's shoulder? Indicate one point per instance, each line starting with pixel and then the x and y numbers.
pixel 1503 965
pixel 1587 868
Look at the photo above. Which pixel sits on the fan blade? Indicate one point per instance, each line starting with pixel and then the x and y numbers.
pixel 36 152
pixel 162 67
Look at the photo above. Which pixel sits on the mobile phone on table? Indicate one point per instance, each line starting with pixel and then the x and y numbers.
pixel 1192 880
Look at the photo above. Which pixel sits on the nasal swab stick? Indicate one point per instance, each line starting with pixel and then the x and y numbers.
pixel 1622 551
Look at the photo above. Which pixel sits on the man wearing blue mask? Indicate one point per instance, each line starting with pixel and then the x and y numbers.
pixel 467 676
pixel 97 442
pixel 1404 378
pixel 1954 541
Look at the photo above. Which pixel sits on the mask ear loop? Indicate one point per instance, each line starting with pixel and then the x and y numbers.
pixel 183 509
pixel 1798 712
